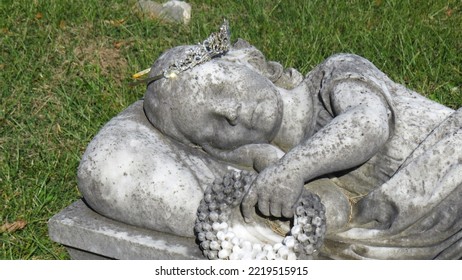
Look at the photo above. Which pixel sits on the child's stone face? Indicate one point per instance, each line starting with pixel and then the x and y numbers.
pixel 227 105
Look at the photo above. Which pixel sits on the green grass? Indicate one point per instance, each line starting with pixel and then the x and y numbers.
pixel 65 66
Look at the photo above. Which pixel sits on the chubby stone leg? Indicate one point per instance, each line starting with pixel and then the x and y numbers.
pixel 430 175
pixel 416 190
pixel 419 207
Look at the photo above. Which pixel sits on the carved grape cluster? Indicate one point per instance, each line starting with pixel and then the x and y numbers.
pixel 218 242
pixel 214 210
pixel 309 227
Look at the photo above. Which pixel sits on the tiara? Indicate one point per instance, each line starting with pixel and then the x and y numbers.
pixel 218 43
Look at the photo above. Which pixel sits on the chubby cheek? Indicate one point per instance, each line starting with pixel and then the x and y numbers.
pixel 191 121
pixel 204 129
pixel 224 136
pixel 232 137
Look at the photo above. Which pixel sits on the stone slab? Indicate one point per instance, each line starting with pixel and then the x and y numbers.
pixel 88 235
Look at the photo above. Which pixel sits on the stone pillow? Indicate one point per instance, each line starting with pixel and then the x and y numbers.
pixel 131 172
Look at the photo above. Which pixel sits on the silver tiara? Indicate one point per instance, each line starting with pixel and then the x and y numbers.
pixel 218 43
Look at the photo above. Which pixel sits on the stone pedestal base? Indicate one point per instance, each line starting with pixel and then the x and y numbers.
pixel 88 235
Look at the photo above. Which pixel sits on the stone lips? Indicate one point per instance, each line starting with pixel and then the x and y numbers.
pixel 218 242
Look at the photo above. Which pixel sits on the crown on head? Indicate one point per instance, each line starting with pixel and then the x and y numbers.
pixel 218 43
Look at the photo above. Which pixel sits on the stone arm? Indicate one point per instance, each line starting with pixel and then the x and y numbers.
pixel 359 129
pixel 256 156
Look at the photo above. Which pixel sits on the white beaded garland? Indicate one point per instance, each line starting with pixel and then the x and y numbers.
pixel 268 247
pixel 214 245
pixel 295 230
pixel 270 255
pixel 289 241
pixel 216 226
pixel 224 253
pixel 219 241
pixel 221 235
pixel 226 245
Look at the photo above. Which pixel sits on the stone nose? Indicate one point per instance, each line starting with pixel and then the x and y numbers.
pixel 229 110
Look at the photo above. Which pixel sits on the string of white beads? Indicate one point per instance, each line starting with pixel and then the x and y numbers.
pixel 218 242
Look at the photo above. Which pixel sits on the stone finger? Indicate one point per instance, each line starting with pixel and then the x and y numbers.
pixel 263 206
pixel 275 209
pixel 287 211
pixel 248 206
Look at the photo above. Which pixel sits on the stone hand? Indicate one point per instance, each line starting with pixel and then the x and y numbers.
pixel 257 156
pixel 276 190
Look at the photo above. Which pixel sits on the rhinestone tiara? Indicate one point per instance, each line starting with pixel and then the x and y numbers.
pixel 218 43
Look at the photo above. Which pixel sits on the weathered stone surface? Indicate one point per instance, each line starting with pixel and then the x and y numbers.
pixel 92 236
pixel 392 158
pixel 132 173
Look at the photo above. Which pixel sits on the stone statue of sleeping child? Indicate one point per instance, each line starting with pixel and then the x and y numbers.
pixel 385 161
